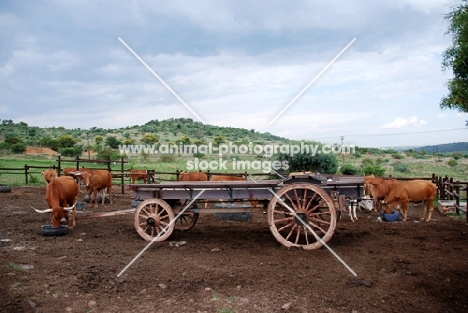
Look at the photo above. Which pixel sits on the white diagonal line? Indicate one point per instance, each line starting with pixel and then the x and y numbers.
pixel 309 229
pixel 312 81
pixel 313 233
pixel 161 232
pixel 162 81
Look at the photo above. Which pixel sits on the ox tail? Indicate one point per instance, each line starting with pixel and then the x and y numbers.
pixel 40 211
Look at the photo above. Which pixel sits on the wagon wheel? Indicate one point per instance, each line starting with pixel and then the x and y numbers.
pixel 151 217
pixel 186 221
pixel 310 204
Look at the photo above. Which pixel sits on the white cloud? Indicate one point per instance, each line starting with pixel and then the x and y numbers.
pixel 403 122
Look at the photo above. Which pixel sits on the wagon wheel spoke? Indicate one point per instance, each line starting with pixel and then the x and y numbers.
pixel 186 221
pixel 314 216
pixel 151 217
pixel 291 201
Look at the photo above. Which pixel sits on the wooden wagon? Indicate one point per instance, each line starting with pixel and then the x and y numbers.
pixel 302 210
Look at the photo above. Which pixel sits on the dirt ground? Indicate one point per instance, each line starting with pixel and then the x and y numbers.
pixel 227 266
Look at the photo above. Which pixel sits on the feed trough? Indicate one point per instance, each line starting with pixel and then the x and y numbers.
pixel 390 217
pixel 49 230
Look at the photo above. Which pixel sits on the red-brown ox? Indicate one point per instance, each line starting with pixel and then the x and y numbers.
pixel 412 191
pixel 97 180
pixel 71 171
pixel 192 176
pixel 60 192
pixel 137 175
pixel 377 188
pixel 49 175
pixel 254 203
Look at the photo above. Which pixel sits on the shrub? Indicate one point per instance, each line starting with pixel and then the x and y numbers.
pixel 401 167
pixel 107 153
pixel 198 155
pixel 18 147
pixel 398 156
pixel 452 163
pixel 374 169
pixel 367 161
pixel 323 163
pixel 167 158
pixel 348 169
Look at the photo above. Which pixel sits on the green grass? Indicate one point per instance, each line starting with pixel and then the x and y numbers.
pixel 163 163
pixel 15 266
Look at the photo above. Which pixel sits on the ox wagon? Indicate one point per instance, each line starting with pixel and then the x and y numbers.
pixel 302 210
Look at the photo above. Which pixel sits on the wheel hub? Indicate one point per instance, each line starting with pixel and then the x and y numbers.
pixel 153 220
pixel 301 215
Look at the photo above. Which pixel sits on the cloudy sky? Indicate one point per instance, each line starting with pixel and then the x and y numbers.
pixel 234 63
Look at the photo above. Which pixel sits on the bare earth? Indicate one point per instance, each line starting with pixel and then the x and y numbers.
pixel 227 266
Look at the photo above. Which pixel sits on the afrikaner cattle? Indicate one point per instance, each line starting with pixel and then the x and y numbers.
pixel 60 192
pixel 70 171
pixel 95 181
pixel 378 188
pixel 137 175
pixel 412 191
pixel 49 175
pixel 254 203
pixel 192 176
pixel 226 178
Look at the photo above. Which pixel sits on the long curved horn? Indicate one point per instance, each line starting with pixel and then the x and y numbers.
pixel 41 211
pixel 79 187
pixel 70 208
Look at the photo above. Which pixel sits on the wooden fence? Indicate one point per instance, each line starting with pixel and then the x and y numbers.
pixel 448 189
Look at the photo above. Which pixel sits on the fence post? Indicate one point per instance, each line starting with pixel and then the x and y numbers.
pixel 26 173
pixel 450 188
pixel 77 163
pixel 59 165
pixel 457 198
pixel 122 173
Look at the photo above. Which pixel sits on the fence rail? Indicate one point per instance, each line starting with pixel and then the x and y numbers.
pixel 448 189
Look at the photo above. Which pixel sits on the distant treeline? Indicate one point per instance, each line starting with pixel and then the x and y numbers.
pixel 445 148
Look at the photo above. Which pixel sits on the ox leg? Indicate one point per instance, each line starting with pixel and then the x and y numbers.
pixel 103 200
pixel 430 208
pixel 109 192
pixel 95 197
pixel 404 208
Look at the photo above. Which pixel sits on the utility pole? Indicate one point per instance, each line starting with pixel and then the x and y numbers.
pixel 342 153
pixel 89 153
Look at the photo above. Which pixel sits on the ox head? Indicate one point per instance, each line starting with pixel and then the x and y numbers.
pixel 57 213
pixel 83 176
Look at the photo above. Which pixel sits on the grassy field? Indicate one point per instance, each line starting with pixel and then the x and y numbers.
pixel 403 166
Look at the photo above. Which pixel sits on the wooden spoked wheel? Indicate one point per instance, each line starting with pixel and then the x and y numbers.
pixel 186 221
pixel 152 217
pixel 304 213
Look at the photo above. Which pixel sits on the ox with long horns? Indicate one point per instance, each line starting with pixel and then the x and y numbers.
pixel 60 192
pixel 96 181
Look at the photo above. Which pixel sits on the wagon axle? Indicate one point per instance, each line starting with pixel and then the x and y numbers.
pixel 301 217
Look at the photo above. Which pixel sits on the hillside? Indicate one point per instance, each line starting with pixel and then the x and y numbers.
pixel 18 136
pixel 461 147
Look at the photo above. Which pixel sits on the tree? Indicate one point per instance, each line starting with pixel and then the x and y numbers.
pixel 66 141
pixel 113 142
pixel 456 58
pixel 149 139
pixel 323 163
